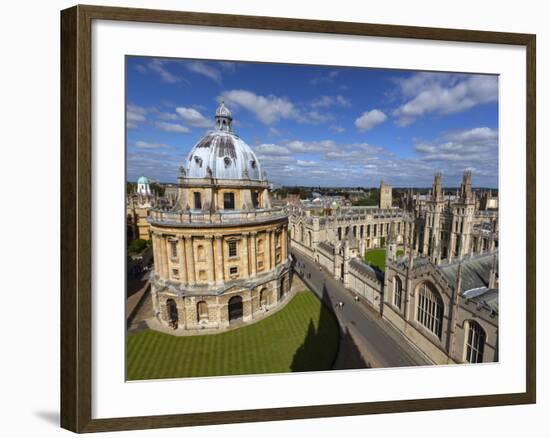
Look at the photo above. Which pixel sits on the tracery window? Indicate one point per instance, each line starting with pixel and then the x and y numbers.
pixel 475 342
pixel 397 292
pixel 430 309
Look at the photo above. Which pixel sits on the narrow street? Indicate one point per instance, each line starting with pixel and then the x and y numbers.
pixel 379 343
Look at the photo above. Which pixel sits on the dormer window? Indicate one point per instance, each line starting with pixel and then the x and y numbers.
pixel 198 160
pixel 227 162
pixel 253 164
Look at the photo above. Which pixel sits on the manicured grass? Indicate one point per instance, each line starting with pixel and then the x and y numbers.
pixel 303 336
pixel 377 257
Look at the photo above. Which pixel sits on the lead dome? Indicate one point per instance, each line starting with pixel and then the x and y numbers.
pixel 222 154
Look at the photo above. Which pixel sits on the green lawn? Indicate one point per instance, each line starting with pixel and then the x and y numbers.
pixel 303 336
pixel 377 257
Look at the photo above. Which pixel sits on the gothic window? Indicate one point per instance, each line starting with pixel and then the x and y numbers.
pixel 397 292
pixel 475 342
pixel 374 230
pixel 232 245
pixel 197 199
pixel 430 309
pixel 229 201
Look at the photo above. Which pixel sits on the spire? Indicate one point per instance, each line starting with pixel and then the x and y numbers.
pixel 223 118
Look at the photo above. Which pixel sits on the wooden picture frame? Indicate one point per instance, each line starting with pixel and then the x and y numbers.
pixel 76 217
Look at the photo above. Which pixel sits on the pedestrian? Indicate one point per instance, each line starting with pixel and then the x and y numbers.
pixel 356 298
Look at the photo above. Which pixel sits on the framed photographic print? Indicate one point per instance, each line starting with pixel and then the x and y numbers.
pixel 268 218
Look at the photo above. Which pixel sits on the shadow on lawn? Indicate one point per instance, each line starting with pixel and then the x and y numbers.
pixel 316 342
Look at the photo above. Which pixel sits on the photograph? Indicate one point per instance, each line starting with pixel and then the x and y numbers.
pixel 289 218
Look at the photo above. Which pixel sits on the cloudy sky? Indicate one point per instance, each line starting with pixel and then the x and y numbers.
pixel 317 125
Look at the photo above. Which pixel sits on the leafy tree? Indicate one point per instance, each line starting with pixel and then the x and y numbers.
pixel 138 245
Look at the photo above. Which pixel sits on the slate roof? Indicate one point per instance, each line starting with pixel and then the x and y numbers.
pixel 327 246
pixel 475 271
pixel 484 296
pixel 366 269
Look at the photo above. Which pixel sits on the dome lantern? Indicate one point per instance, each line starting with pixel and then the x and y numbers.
pixel 223 118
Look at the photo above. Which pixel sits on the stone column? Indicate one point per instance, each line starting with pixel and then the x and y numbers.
pixel 156 252
pixel 163 257
pixel 267 251
pixel 183 266
pixel 284 244
pixel 253 261
pixel 245 254
pixel 219 259
pixel 451 248
pixel 272 249
pixel 209 259
pixel 190 259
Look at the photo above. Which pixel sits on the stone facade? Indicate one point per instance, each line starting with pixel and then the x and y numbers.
pixel 441 293
pixel 221 254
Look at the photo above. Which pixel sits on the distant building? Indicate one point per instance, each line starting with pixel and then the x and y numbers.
pixel 385 195
pixel 440 284
pixel 138 205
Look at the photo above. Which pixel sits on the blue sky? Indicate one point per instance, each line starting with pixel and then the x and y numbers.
pixel 317 125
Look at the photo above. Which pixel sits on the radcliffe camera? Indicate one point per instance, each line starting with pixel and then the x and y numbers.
pixel 291 218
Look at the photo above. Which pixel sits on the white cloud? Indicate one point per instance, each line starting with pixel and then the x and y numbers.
pixel 314 117
pixel 369 119
pixel 305 163
pixel 159 67
pixel 272 149
pixel 135 115
pixel 323 102
pixel 205 69
pixel 194 118
pixel 477 147
pixel 167 116
pixel 267 109
pixel 172 127
pixel 298 146
pixel 325 78
pixel 437 93
pixel 337 128
pixel 147 145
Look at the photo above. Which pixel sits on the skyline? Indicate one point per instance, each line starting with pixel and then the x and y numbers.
pixel 317 125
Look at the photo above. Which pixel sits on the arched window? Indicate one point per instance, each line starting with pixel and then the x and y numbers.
pixel 172 313
pixel 202 311
pixel 397 292
pixel 429 309
pixel 475 342
pixel 235 308
pixel 263 298
pixel 309 239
